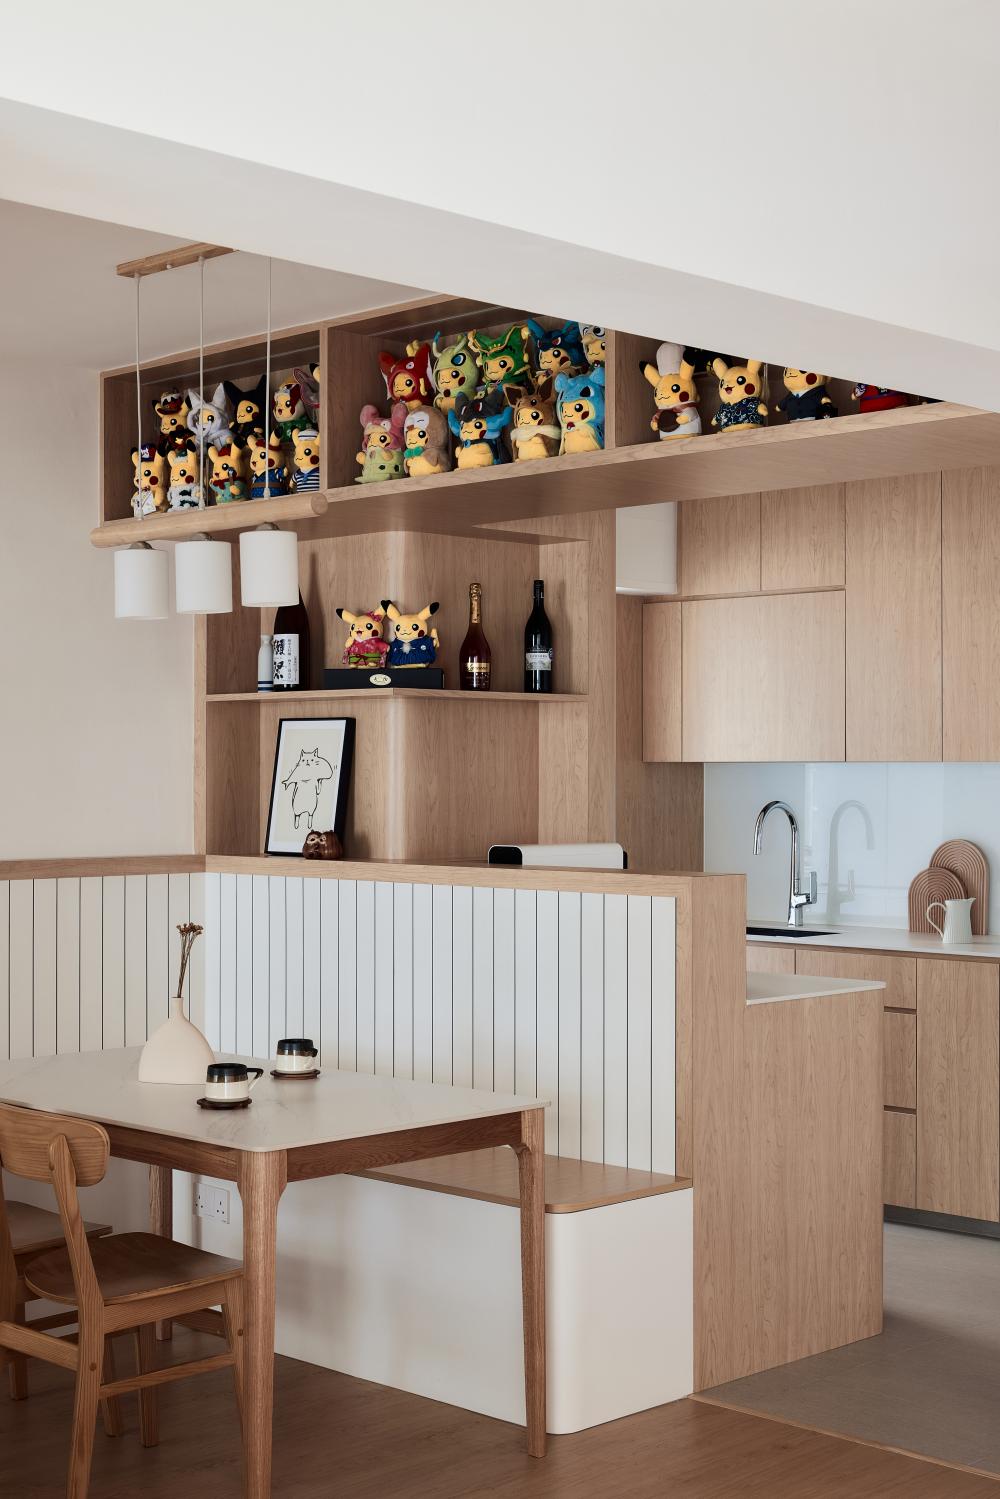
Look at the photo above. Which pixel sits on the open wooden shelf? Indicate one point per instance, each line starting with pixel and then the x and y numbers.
pixel 911 439
pixel 435 694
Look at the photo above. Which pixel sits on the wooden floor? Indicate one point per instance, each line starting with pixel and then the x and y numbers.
pixel 336 1436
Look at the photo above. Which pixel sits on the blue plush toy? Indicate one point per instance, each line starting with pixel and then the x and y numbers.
pixel 559 351
pixel 479 423
pixel 580 401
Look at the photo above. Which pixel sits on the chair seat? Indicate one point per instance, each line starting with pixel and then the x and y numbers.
pixel 129 1266
pixel 34 1230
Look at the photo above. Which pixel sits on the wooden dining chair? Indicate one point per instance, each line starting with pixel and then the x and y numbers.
pixel 115 1283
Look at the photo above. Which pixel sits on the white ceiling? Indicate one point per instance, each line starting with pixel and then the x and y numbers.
pixel 70 306
pixel 815 190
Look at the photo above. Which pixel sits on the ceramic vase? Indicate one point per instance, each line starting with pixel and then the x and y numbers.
pixel 177 1052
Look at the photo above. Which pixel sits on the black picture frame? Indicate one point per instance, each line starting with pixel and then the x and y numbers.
pixel 278 843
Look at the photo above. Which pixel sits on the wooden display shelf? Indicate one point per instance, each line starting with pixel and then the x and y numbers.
pixel 912 439
pixel 370 694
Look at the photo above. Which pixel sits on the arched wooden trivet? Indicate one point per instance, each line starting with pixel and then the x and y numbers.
pixel 928 885
pixel 968 862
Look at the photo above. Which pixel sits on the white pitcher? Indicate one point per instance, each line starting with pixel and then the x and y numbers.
pixel 957 920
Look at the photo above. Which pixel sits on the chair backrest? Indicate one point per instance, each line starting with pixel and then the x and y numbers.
pixel 27 1137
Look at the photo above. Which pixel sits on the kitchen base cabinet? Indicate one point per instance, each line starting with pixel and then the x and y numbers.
pixel 761 959
pixel 958 1088
pixel 899 1060
pixel 896 972
pixel 899 1159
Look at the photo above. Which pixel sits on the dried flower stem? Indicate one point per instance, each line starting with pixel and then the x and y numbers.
pixel 189 930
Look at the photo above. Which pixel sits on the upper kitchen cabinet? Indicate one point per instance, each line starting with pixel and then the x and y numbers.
pixel 720 545
pixel 802 537
pixel 894 618
pixel 763 677
pixel 970 544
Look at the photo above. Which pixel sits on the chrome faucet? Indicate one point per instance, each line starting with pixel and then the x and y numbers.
pixel 797 897
pixel 836 895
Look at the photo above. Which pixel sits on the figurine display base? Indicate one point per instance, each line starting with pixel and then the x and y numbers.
pixel 350 678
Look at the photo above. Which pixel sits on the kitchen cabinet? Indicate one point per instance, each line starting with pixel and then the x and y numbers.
pixel 899 1060
pixel 720 545
pixel 958 1088
pixel 894 618
pixel 802 537
pixel 763 677
pixel 897 972
pixel 761 959
pixel 661 682
pixel 970 565
pixel 899 1159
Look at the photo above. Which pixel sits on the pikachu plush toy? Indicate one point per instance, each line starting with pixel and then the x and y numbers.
pixel 740 389
pixel 675 393
pixel 807 397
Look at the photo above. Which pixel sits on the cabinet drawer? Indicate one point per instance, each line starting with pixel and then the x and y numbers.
pixel 899 1060
pixel 899 1159
pixel 898 974
pixel 761 959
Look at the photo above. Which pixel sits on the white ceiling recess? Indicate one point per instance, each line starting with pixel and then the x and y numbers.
pixel 818 193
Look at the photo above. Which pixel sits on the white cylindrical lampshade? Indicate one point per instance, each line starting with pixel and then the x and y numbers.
pixel 269 568
pixel 141 583
pixel 203 576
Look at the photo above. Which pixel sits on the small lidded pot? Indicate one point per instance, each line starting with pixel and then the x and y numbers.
pixel 295 1054
pixel 230 1082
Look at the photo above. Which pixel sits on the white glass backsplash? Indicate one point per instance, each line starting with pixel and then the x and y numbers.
pixel 866 830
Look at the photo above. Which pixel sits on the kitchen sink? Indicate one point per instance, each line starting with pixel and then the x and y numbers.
pixel 788 931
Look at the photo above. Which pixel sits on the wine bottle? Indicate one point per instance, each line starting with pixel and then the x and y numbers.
pixel 290 646
pixel 538 645
pixel 474 660
pixel 265 664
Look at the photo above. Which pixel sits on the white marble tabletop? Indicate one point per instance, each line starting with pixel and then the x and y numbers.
pixel 104 1086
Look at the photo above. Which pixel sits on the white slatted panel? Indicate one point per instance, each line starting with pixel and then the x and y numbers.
pixel 44 969
pixel 67 965
pixel 564 995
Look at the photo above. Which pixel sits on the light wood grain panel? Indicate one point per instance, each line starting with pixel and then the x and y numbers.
pixel 660 806
pixel 899 1060
pixel 970 566
pixel 958 1088
pixel 897 973
pixel 764 678
pixel 899 1159
pixel 802 537
pixel 719 542
pixel 662 667
pixel 762 959
pixel 894 618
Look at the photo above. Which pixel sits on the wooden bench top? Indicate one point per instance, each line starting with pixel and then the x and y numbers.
pixel 491 1176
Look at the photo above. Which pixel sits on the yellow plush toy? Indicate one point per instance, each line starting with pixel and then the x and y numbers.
pixel 740 390
pixel 675 393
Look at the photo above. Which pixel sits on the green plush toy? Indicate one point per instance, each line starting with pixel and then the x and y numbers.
pixel 504 359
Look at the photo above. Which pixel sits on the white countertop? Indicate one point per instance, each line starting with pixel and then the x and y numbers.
pixel 104 1086
pixel 772 988
pixel 885 939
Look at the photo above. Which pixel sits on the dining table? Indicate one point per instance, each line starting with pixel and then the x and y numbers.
pixel 296 1130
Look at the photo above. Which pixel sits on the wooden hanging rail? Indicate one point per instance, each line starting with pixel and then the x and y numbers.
pixel 169 260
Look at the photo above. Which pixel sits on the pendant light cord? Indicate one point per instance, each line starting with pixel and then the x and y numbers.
pixel 139 508
pixel 267 385
pixel 201 381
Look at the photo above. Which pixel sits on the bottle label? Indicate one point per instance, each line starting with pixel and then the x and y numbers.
pixel 538 660
pixel 286 661
pixel 478 669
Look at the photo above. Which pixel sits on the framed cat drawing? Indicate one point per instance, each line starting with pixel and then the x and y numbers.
pixel 311 780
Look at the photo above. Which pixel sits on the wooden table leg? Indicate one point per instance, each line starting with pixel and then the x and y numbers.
pixel 531 1173
pixel 261 1181
pixel 161 1220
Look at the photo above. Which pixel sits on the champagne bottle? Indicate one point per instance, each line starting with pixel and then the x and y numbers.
pixel 290 646
pixel 474 660
pixel 538 645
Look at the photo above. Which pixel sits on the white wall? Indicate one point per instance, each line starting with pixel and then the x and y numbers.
pixel 96 754
pixel 912 808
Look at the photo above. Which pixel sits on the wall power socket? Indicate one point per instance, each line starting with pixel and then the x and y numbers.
pixel 211 1202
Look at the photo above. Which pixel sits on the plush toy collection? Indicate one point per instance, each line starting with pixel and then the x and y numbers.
pixel 476 399
pixel 414 642
pixel 248 451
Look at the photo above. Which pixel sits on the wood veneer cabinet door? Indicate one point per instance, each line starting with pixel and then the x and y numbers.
pixel 720 544
pixel 802 537
pixel 898 974
pixel 761 959
pixel 970 566
pixel 899 1159
pixel 899 1059
pixel 894 618
pixel 661 682
pixel 763 677
pixel 958 1088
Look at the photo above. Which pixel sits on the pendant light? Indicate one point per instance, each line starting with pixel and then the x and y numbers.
pixel 269 558
pixel 140 572
pixel 203 568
